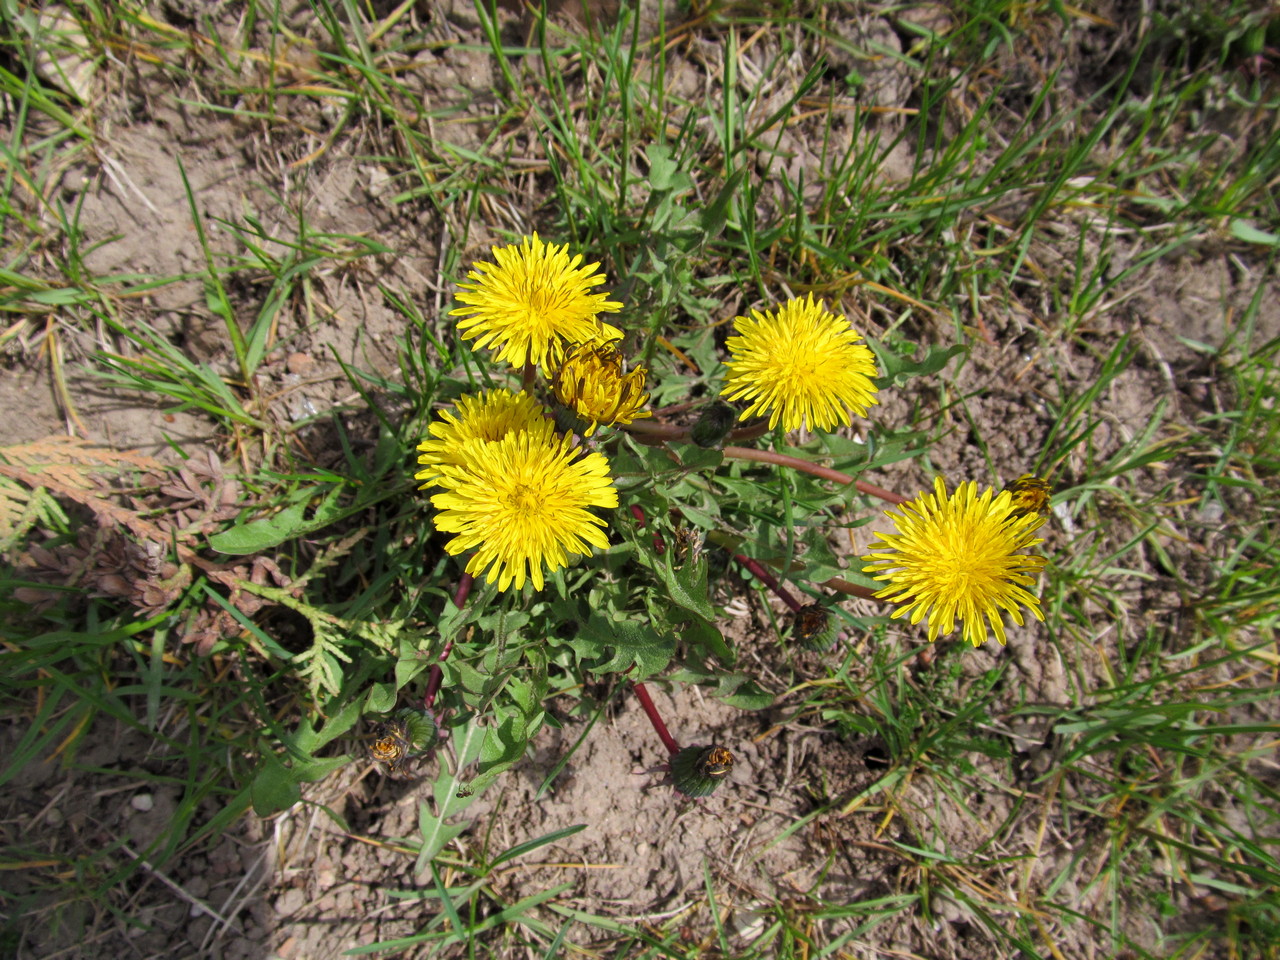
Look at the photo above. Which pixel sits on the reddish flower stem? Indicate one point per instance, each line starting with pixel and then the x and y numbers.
pixel 651 711
pixel 782 460
pixel 648 431
pixel 659 545
pixel 852 589
pixel 768 579
pixel 464 590
pixel 436 674
pixel 660 432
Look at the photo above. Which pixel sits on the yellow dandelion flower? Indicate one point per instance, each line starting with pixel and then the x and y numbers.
pixel 1030 494
pixel 489 416
pixel 960 557
pixel 592 382
pixel 532 297
pixel 523 503
pixel 800 363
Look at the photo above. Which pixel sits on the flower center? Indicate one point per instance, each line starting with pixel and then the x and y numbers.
pixel 954 570
pixel 525 501
pixel 539 301
pixel 797 363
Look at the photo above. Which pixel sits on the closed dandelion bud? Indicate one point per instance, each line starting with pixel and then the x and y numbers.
pixel 815 628
pixel 714 424
pixel 1030 495
pixel 697 771
pixel 591 382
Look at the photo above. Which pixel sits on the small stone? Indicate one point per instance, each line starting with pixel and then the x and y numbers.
pixel 142 802
pixel 298 363
pixel 290 902
pixel 748 923
pixel 53 817
pixel 197 929
pixel 1211 512
pixel 944 908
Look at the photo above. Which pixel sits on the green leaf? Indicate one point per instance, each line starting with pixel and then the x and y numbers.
pixel 273 789
pixel 717 214
pixel 453 619
pixel 317 768
pixel 898 370
pixel 336 725
pixel 820 561
pixel 520 849
pixel 750 696
pixel 503 745
pixel 695 459
pixel 664 173
pixel 632 645
pixel 259 535
pixel 412 661
pixel 434 824
pixel 381 699
pixel 706 636
pixel 528 692
pixel 687 584
pixel 733 687
pixel 1247 232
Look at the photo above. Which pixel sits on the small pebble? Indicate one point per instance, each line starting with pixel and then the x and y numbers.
pixel 298 363
pixel 290 902
pixel 142 802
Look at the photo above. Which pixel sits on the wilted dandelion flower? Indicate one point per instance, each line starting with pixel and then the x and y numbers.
pixel 814 628
pixel 522 503
pixel 698 771
pixel 533 296
pixel 1030 494
pixel 490 416
pixel 800 363
pixel 960 557
pixel 592 382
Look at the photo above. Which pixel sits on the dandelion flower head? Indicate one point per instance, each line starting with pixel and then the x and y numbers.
pixel 523 503
pixel 531 297
pixel 592 382
pixel 960 557
pixel 800 363
pixel 489 416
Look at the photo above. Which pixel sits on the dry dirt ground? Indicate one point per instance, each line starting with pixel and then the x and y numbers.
pixel 299 886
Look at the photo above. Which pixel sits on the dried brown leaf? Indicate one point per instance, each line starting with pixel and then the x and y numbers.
pixel 74 461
